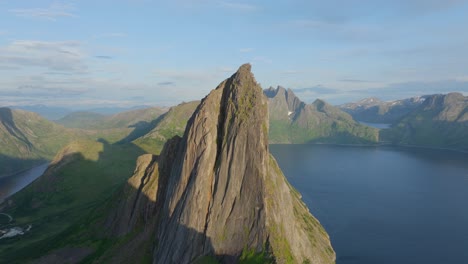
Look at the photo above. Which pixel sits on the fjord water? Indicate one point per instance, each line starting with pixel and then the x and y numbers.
pixel 382 204
pixel 12 184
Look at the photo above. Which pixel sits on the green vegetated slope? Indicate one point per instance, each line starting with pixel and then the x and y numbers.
pixel 441 121
pixel 293 121
pixel 27 139
pixel 170 124
pixel 90 120
pixel 80 179
pixel 125 126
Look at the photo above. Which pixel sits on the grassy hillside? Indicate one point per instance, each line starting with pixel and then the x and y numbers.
pixel 168 125
pixel 27 139
pixel 81 178
pixel 121 127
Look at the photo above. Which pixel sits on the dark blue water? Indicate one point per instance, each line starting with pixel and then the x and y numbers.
pixel 12 184
pixel 384 205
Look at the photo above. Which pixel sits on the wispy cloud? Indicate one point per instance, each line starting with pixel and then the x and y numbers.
pixel 355 81
pixel 337 29
pixel 39 91
pixel 53 12
pixel 238 6
pixel 54 56
pixel 166 83
pixel 104 57
pixel 317 90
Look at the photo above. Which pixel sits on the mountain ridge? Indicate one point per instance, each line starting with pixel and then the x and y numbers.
pixel 293 121
pixel 374 110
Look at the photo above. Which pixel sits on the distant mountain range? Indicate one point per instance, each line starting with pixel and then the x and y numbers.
pixel 439 121
pixel 94 120
pixel 427 120
pixel 293 121
pixel 373 110
pixel 55 113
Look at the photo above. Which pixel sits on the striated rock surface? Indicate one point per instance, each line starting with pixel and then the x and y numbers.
pixel 217 192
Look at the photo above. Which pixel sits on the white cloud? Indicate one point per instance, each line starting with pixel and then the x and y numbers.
pixel 53 12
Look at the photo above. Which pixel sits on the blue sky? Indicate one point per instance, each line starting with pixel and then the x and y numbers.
pixel 134 52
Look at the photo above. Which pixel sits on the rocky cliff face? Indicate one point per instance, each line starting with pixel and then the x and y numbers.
pixel 217 192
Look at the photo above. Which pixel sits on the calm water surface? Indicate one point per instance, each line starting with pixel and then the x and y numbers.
pixel 382 204
pixel 12 184
pixel 376 125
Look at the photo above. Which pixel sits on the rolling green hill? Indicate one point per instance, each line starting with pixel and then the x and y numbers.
pixel 293 121
pixel 95 121
pixel 121 127
pixel 168 125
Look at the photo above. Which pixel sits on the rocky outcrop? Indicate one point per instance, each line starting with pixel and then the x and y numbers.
pixel 219 193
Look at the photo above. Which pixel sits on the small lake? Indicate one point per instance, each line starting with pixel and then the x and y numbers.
pixel 384 205
pixel 376 125
pixel 12 184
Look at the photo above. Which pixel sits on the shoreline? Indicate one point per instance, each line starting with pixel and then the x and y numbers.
pixel 6 176
pixel 378 145
pixel 19 181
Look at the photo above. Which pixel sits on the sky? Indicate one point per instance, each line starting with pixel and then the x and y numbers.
pixel 102 53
